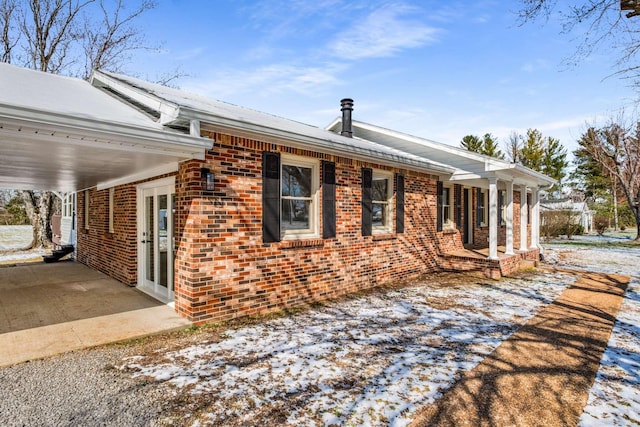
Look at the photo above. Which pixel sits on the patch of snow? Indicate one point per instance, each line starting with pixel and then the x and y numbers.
pixel 15 236
pixel 366 361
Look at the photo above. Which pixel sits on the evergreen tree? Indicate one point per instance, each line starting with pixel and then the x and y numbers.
pixel 532 152
pixel 471 143
pixel 554 162
pixel 488 145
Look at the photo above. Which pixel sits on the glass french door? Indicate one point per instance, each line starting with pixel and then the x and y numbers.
pixel 156 205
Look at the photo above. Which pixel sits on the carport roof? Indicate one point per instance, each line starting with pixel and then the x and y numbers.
pixel 61 133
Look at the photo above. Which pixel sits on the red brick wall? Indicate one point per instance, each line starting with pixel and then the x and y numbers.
pixel 224 269
pixel 112 253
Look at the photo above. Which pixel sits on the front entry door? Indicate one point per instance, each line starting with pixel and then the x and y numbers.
pixel 156 204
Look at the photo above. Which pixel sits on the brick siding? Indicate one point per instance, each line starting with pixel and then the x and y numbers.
pixel 223 269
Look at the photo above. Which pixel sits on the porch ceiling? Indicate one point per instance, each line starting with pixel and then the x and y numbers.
pixel 60 133
pixel 37 156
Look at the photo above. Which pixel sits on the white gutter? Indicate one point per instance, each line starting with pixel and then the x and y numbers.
pixel 100 132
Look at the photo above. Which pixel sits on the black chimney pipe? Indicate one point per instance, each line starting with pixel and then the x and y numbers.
pixel 347 108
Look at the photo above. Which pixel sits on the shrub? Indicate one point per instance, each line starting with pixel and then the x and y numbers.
pixel 600 224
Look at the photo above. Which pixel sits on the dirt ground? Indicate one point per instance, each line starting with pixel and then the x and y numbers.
pixel 541 375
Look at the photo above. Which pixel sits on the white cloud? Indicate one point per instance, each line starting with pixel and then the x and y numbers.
pixel 266 80
pixel 536 65
pixel 383 33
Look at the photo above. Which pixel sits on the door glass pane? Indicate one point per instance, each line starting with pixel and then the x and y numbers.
pixel 148 237
pixel 162 239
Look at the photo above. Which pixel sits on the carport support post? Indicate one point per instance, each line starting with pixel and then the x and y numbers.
pixel 493 218
pixel 524 210
pixel 509 218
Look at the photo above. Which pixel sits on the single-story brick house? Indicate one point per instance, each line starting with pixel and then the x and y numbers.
pixel 225 211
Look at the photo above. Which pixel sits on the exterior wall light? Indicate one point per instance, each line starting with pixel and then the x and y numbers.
pixel 208 179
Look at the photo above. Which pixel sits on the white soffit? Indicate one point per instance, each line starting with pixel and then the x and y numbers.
pixel 60 133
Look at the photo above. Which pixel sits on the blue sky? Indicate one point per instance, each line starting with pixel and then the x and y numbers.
pixel 436 69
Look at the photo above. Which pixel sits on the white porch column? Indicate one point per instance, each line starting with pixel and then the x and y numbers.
pixel 535 219
pixel 523 217
pixel 493 218
pixel 509 218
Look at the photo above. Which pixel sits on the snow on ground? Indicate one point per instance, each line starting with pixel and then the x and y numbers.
pixel 366 361
pixel 15 237
pixel 615 396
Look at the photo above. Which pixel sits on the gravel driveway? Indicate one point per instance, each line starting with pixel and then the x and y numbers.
pixel 77 389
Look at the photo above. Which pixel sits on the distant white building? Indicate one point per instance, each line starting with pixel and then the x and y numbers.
pixel 584 215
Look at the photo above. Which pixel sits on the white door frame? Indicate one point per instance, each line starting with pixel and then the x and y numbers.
pixel 164 186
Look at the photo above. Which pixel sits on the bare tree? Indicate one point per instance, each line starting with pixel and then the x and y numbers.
pixel 616 148
pixel 69 37
pixel 7 11
pixel 108 45
pixel 513 147
pixel 596 24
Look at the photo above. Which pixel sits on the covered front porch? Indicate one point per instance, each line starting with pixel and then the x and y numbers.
pixel 478 260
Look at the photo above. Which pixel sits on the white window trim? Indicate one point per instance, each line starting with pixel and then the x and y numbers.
pixel 87 201
pixel 388 227
pixel 111 206
pixel 485 212
pixel 448 223
pixel 313 231
pixel 503 207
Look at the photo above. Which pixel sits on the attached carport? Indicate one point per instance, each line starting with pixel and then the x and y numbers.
pixel 48 309
pixel 65 135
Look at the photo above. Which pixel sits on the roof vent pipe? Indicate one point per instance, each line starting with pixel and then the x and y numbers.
pixel 347 108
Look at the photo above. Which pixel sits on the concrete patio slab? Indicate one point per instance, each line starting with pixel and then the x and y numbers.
pixel 48 309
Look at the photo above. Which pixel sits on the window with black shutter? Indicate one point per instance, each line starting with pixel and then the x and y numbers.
pixel 439 215
pixel 367 201
pixel 270 197
pixel 328 200
pixel 399 203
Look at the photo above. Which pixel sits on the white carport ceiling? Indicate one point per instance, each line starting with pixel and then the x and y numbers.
pixel 59 133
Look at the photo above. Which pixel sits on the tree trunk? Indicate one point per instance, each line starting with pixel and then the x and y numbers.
pixel 39 209
pixel 615 207
pixel 636 212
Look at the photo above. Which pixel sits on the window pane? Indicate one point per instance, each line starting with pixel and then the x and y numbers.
pixel 295 215
pixel 296 181
pixel 378 215
pixel 380 189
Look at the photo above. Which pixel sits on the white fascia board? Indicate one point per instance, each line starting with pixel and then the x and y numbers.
pixel 448 149
pixel 91 130
pixel 168 110
pixel 139 176
pixel 322 145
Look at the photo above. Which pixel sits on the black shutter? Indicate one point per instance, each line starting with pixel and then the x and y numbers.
pixel 478 204
pixel 328 200
pixel 457 194
pixel 270 197
pixel 500 202
pixel 399 203
pixel 439 189
pixel 367 201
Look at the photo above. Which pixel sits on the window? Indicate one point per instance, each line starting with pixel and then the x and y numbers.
pixel 111 197
pixel 482 204
pixel 502 209
pixel 381 211
pixel 447 212
pixel 298 197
